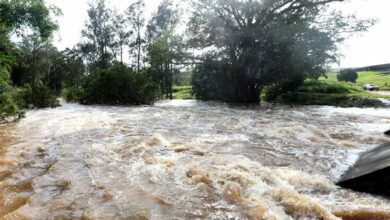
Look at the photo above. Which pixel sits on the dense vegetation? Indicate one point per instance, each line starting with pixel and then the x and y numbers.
pixel 347 75
pixel 256 44
pixel 232 51
pixel 16 17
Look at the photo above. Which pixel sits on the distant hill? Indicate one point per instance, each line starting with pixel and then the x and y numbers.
pixel 380 67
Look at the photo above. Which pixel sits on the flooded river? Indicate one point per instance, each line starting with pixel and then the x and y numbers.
pixel 187 160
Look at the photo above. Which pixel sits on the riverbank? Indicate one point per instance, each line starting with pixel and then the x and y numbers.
pixel 339 100
pixel 334 93
pixel 5 118
pixel 319 93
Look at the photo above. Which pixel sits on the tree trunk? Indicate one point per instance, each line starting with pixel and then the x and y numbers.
pixel 139 52
pixel 170 80
pixel 121 55
pixel 246 90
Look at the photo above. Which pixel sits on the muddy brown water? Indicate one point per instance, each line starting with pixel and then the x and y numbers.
pixel 187 160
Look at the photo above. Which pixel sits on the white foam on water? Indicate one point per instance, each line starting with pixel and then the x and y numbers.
pixel 188 159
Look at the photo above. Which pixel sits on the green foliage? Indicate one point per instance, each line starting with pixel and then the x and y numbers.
pixel 137 44
pixel 7 104
pixel 98 35
pixel 118 85
pixel 277 44
pixel 316 86
pixel 328 91
pixel 209 80
pixel 16 17
pixel 368 77
pixel 74 68
pixel 34 14
pixel 183 78
pixel 282 86
pixel 347 75
pixel 165 19
pixel 36 95
pixel 162 53
pixel 165 48
pixel 182 92
pixel 72 94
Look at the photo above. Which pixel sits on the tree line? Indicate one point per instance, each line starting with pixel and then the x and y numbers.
pixel 236 51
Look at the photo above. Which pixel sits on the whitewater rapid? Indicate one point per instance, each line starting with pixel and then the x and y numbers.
pixel 187 160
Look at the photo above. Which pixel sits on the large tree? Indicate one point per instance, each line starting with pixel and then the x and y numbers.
pixel 121 33
pixel 266 43
pixel 15 18
pixel 38 60
pixel 164 45
pixel 98 34
pixel 135 16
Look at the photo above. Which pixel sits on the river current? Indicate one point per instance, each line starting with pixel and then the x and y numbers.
pixel 188 160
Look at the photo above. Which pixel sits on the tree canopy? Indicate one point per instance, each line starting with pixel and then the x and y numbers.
pixel 234 50
pixel 20 17
pixel 266 43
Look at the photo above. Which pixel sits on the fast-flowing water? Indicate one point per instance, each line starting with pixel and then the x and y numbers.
pixel 187 160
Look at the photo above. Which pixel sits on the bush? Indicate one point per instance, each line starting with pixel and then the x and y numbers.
pixel 73 94
pixel 7 102
pixel 36 95
pixel 281 87
pixel 210 81
pixel 118 85
pixel 347 75
pixel 317 86
pixel 7 105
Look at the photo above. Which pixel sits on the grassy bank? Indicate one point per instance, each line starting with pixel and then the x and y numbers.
pixel 329 91
pixel 326 91
pixel 382 79
pixel 182 92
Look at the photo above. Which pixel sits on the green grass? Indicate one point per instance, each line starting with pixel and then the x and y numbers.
pixel 382 79
pixel 329 91
pixel 325 90
pixel 328 87
pixel 182 92
pixel 356 89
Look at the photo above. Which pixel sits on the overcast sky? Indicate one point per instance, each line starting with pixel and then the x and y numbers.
pixel 372 47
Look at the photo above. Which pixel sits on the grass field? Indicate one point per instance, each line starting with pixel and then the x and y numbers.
pixel 382 79
pixel 329 91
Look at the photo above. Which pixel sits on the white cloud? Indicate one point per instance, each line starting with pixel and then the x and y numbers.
pixel 372 47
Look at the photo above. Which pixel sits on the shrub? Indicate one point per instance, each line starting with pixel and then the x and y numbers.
pixel 347 75
pixel 281 87
pixel 7 105
pixel 209 80
pixel 37 95
pixel 7 102
pixel 73 94
pixel 317 86
pixel 118 85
